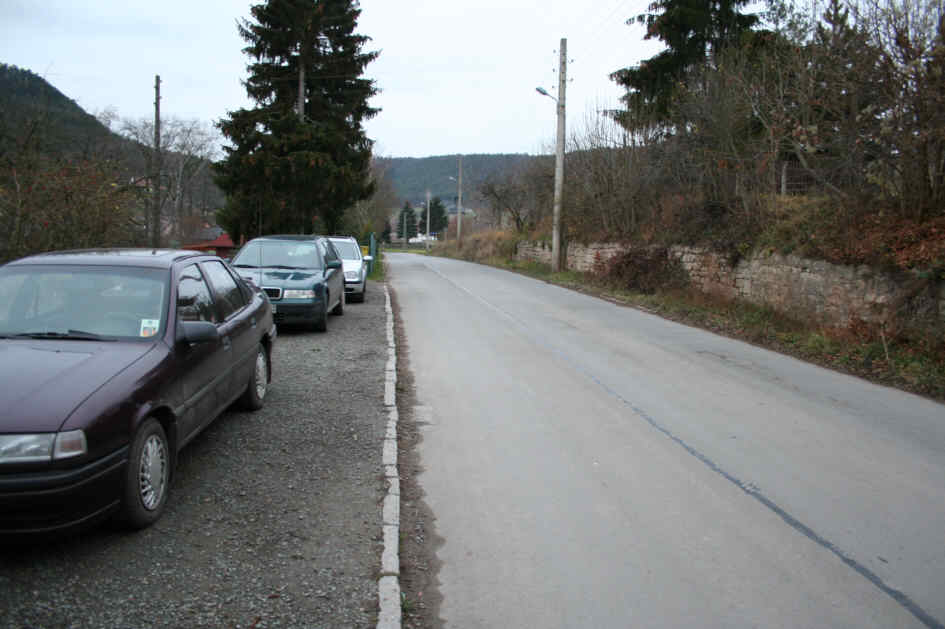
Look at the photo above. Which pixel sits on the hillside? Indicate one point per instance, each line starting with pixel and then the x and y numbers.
pixel 67 128
pixel 31 107
pixel 26 96
pixel 60 166
pixel 413 176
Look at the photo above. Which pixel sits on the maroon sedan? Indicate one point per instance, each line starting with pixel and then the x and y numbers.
pixel 110 362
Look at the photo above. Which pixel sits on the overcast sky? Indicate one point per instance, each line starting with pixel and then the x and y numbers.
pixel 456 76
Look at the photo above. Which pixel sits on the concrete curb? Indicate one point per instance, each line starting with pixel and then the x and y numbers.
pixel 388 586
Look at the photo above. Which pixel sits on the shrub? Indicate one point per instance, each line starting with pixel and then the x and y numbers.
pixel 644 270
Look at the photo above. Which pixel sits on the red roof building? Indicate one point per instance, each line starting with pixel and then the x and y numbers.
pixel 222 246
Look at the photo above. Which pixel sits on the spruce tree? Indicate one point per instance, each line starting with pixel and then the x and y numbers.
pixel 287 171
pixel 693 31
pixel 438 220
pixel 406 222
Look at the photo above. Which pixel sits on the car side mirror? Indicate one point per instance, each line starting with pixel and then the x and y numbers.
pixel 196 332
pixel 333 264
pixel 369 258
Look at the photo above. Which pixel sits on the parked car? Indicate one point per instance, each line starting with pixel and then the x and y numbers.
pixel 302 275
pixel 111 362
pixel 355 266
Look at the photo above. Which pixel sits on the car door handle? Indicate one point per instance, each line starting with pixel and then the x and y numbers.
pixel 226 343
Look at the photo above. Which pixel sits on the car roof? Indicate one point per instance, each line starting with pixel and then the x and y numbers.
pixel 156 258
pixel 289 237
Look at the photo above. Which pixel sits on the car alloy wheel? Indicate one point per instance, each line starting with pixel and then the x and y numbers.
pixel 147 479
pixel 258 384
pixel 152 472
pixel 261 375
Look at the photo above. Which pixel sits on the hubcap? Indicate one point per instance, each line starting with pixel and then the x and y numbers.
pixel 261 375
pixel 152 472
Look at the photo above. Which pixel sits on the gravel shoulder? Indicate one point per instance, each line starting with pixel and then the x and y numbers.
pixel 274 518
pixel 419 541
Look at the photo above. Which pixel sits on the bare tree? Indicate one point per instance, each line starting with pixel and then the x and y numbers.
pixel 911 137
pixel 372 214
pixel 508 196
pixel 188 146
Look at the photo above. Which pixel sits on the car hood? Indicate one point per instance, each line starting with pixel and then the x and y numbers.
pixel 284 278
pixel 44 381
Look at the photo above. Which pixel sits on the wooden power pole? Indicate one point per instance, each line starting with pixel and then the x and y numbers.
pixel 559 160
pixel 156 175
pixel 459 203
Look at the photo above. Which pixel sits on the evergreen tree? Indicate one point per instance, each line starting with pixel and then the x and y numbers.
pixel 407 222
pixel 692 30
pixel 287 171
pixel 438 219
pixel 385 235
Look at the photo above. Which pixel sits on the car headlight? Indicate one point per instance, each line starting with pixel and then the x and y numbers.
pixel 352 275
pixel 42 447
pixel 298 294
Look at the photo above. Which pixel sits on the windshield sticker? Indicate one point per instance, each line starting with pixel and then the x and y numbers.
pixel 149 327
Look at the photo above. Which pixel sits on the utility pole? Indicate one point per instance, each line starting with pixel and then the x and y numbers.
pixel 559 160
pixel 156 178
pixel 459 204
pixel 428 220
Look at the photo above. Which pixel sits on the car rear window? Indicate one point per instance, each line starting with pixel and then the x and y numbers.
pixel 347 249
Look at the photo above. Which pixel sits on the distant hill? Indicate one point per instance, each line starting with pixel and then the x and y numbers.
pixel 413 176
pixel 62 129
pixel 26 96
pixel 67 128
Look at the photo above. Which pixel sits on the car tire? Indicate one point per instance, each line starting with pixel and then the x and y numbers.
pixel 339 309
pixel 147 476
pixel 321 321
pixel 254 396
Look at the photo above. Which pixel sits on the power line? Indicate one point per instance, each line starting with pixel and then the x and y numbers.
pixel 596 25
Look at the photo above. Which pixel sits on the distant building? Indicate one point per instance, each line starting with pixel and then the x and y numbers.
pixel 222 245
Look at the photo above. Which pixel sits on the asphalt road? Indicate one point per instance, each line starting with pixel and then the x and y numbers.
pixel 274 519
pixel 590 465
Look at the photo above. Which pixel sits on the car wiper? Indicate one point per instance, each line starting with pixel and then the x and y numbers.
pixel 246 266
pixel 285 266
pixel 69 335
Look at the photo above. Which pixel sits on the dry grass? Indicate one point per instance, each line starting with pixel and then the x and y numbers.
pixel 905 360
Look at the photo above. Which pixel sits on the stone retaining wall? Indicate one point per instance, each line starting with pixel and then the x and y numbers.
pixel 830 294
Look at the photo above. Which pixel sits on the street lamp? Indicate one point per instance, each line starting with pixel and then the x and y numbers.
pixel 559 157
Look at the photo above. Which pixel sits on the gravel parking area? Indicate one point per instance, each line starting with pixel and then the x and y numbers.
pixel 274 518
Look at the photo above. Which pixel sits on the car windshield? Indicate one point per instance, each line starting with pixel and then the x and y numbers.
pixel 82 303
pixel 279 254
pixel 347 250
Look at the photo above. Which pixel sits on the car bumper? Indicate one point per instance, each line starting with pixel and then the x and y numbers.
pixel 354 287
pixel 52 501
pixel 287 312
